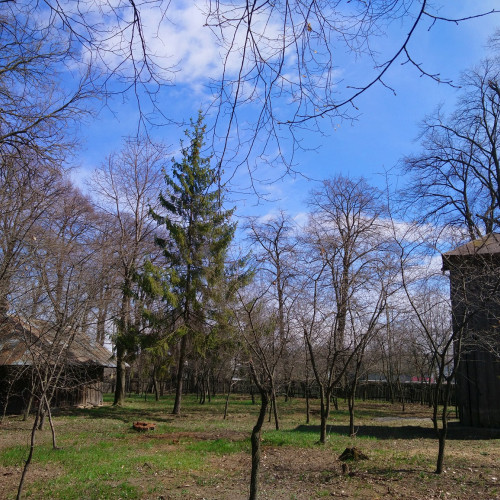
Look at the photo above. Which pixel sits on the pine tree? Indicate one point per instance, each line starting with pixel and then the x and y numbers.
pixel 197 236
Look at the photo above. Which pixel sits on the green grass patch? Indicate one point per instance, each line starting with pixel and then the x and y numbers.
pixel 101 469
pixel 219 446
pixel 293 437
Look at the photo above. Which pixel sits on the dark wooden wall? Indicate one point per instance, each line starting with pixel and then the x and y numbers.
pixel 475 294
pixel 78 386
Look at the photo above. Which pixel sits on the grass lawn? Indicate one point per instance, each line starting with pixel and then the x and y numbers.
pixel 200 455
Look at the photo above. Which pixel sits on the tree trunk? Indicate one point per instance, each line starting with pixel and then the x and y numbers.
pixel 275 410
pixel 102 315
pixel 391 390
pixel 155 385
pixel 27 408
pixel 255 439
pixel 350 402
pixel 120 376
pixel 42 417
pixel 120 347
pixel 308 412
pixel 52 428
pixel 442 443
pixel 30 455
pixel 227 400
pixel 443 432
pixel 180 376
pixel 203 389
pixel 6 398
pixel 324 414
pixel 351 396
pixel 335 402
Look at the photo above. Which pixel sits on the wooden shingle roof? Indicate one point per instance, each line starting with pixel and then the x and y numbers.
pixel 487 245
pixel 21 343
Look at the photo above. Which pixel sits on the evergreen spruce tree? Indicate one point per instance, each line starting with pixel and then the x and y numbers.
pixel 197 236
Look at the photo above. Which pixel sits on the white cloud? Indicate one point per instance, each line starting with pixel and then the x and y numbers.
pixel 183 41
pixel 179 39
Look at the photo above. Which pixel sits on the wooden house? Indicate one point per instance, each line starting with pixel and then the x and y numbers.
pixel 31 350
pixel 474 271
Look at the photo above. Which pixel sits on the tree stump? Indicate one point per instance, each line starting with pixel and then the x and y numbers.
pixel 353 454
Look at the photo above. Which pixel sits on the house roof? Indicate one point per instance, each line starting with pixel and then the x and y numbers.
pixel 21 343
pixel 487 245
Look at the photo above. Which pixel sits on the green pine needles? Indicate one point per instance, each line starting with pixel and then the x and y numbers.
pixel 196 235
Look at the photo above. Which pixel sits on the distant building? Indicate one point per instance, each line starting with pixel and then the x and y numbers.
pixel 28 348
pixel 475 298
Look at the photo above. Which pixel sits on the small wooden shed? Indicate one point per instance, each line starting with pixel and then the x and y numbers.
pixel 475 298
pixel 27 347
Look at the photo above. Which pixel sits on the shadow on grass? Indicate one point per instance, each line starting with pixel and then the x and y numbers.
pixel 126 413
pixel 136 408
pixel 455 431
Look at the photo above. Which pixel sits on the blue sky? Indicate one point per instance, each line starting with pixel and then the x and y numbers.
pixel 385 129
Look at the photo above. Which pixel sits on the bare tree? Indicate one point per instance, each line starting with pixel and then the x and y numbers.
pixel 343 239
pixel 257 324
pixel 366 314
pixel 456 178
pixel 98 50
pixel 426 291
pixel 29 191
pixel 107 268
pixel 38 108
pixel 398 349
pixel 275 254
pixel 126 188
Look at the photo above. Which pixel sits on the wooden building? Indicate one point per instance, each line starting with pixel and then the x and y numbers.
pixel 76 365
pixel 474 271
